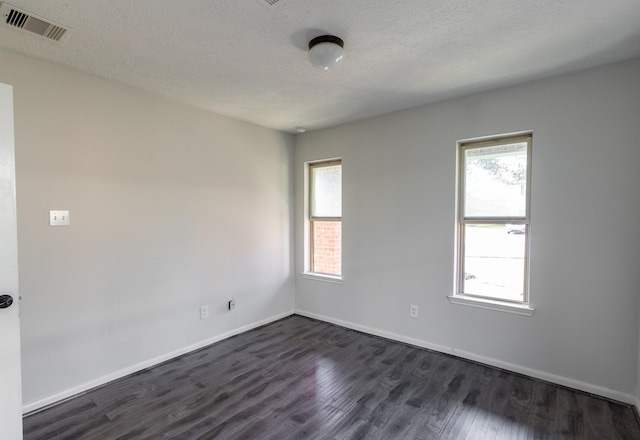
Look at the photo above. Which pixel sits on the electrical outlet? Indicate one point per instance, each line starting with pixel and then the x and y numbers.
pixel 413 310
pixel 232 304
pixel 204 312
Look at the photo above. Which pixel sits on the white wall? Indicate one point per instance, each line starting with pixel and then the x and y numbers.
pixel 398 228
pixel 171 207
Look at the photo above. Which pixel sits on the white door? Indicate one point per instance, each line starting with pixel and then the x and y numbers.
pixel 10 377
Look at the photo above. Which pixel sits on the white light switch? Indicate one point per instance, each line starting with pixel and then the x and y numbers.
pixel 58 218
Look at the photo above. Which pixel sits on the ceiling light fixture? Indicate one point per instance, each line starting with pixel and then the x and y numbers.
pixel 300 129
pixel 326 51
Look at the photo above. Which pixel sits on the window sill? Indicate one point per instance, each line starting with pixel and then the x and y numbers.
pixel 491 304
pixel 321 277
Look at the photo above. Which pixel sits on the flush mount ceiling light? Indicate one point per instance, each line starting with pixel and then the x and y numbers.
pixel 326 51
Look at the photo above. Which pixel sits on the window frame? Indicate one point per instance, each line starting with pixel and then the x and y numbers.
pixel 491 302
pixel 311 219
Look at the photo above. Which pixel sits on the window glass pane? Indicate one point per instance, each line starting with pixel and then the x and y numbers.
pixel 494 261
pixel 327 191
pixel 327 247
pixel 496 181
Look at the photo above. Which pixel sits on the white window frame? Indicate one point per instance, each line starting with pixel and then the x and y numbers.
pixel 309 219
pixel 487 302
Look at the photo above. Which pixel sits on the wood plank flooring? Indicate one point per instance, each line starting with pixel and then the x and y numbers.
pixel 298 378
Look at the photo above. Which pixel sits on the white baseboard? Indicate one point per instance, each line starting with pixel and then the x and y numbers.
pixel 74 391
pixel 542 375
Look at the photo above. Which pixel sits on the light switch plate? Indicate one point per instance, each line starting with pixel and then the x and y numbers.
pixel 58 218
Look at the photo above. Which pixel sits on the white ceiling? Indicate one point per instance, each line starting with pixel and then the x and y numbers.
pixel 248 60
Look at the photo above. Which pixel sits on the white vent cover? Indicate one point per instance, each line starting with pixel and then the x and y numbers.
pixel 15 17
pixel 269 2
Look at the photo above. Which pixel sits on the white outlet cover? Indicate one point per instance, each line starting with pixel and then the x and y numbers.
pixel 59 218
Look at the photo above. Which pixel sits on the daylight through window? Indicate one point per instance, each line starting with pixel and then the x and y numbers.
pixel 325 218
pixel 493 219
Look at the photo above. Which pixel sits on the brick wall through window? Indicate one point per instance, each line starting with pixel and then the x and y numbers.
pixel 327 240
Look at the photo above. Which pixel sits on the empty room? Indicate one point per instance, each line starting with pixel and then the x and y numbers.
pixel 327 219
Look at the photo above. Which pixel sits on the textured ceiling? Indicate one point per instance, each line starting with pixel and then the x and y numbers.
pixel 247 60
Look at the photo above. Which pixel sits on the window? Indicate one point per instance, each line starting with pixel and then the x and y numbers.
pixel 493 220
pixel 325 219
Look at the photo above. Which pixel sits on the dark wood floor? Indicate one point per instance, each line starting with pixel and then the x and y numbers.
pixel 299 378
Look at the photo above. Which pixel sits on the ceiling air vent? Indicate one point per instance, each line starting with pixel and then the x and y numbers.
pixel 17 18
pixel 269 2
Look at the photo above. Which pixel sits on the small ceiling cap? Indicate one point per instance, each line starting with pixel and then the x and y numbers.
pixel 326 51
pixel 300 129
